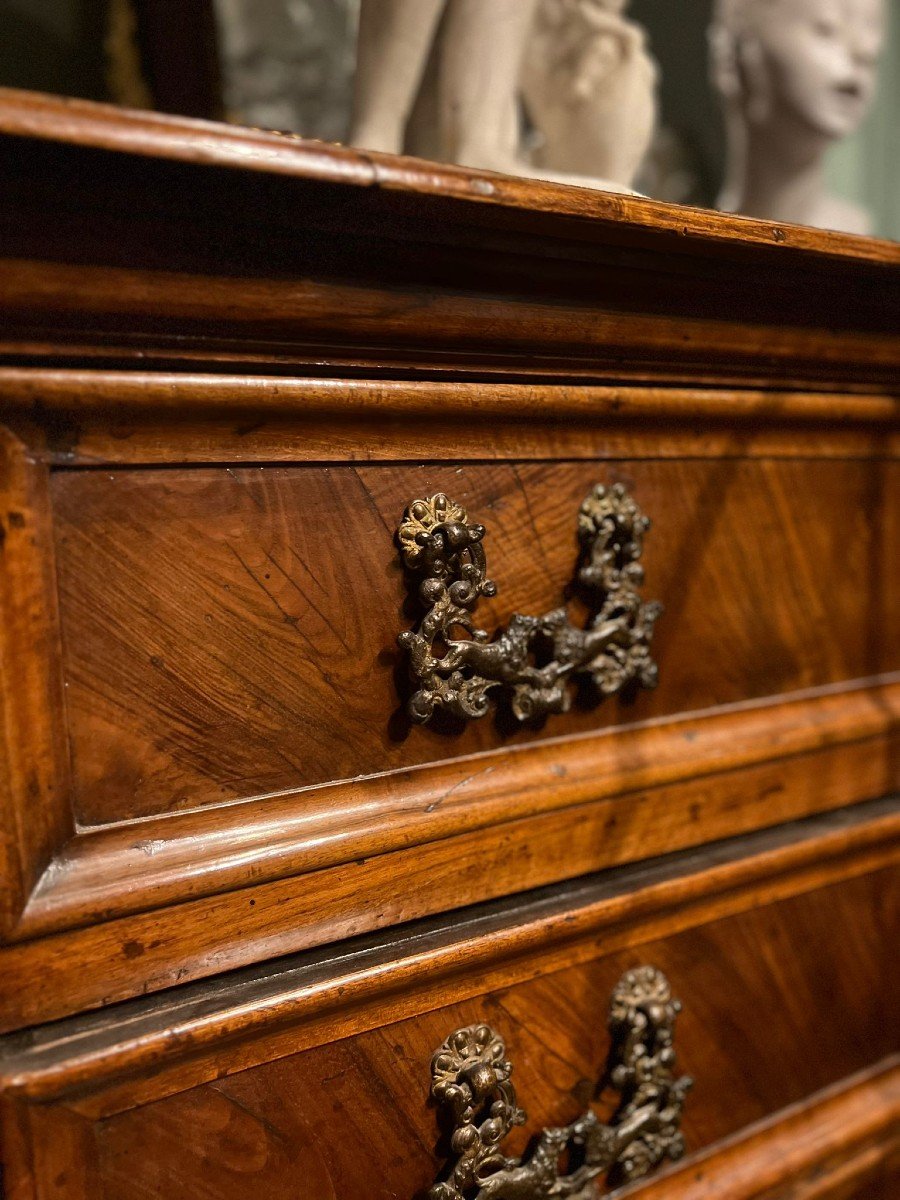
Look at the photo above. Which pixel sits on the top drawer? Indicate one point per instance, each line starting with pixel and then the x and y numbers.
pixel 209 756
pixel 230 632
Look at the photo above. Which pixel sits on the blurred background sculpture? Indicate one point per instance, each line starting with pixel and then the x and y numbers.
pixel 589 87
pixel 795 76
pixel 448 79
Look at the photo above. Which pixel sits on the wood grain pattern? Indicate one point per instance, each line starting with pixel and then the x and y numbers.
pixel 713 776
pixel 232 632
pixel 350 1118
pixel 666 785
pixel 160 948
pixel 368 1091
pixel 228 360
pixel 842 1143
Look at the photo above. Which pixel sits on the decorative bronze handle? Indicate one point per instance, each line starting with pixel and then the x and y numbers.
pixel 436 540
pixel 471 1080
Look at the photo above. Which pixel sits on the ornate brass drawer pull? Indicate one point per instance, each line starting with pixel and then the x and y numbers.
pixel 471 1080
pixel 457 673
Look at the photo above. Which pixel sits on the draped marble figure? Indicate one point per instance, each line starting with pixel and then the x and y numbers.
pixel 451 79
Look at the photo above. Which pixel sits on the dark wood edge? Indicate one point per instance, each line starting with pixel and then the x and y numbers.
pixel 63 350
pixel 35 814
pixel 832 1144
pixel 83 123
pixel 208 851
pixel 202 1031
pixel 378 318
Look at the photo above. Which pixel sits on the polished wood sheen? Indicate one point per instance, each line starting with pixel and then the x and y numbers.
pixel 842 1144
pixel 233 632
pixel 242 898
pixel 184 242
pixel 342 1112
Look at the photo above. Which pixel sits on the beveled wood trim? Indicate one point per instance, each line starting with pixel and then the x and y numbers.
pixel 83 123
pixel 365 261
pixel 35 816
pixel 90 417
pixel 167 394
pixel 329 313
pixel 185 856
pixel 688 782
pixel 136 352
pixel 830 1145
pixel 164 947
pixel 203 1031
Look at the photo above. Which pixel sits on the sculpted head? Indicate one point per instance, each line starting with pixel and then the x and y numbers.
pixel 811 60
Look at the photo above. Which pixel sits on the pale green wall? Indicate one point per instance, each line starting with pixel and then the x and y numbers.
pixel 866 168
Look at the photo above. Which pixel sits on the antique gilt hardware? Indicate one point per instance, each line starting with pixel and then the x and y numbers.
pixel 471 1081
pixel 458 672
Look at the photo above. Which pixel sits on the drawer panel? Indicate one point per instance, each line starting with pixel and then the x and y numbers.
pixel 250 1085
pixel 180 639
pixel 232 632
pixel 774 1009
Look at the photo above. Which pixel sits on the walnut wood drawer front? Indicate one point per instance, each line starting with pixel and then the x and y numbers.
pixel 311 1078
pixel 210 747
pixel 232 632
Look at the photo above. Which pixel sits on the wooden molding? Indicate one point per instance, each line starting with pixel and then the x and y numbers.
pixel 186 856
pixel 35 816
pixel 87 124
pixel 220 888
pixel 326 311
pixel 321 313
pixel 380 263
pixel 205 1030
pixel 88 417
pixel 833 1145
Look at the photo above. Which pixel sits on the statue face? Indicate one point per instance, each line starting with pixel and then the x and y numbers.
pixel 822 58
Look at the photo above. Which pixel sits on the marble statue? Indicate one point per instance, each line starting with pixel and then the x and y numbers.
pixel 795 76
pixel 580 68
pixel 589 88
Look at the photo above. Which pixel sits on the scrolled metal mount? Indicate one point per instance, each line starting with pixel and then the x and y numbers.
pixel 458 673
pixel 471 1081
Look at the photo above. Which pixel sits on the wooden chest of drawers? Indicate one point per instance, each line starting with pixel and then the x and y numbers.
pixel 351 709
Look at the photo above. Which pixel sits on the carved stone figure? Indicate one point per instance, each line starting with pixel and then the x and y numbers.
pixel 581 68
pixel 589 87
pixel 795 76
